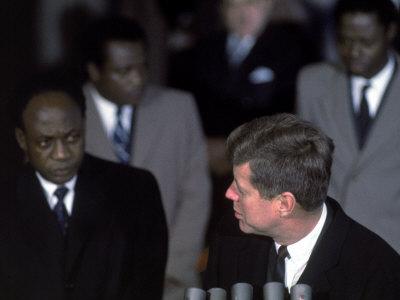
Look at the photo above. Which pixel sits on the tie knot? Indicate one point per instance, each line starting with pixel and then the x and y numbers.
pixel 365 87
pixel 60 193
pixel 283 252
pixel 119 111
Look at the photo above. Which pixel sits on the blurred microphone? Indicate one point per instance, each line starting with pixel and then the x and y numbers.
pixel 216 294
pixel 242 291
pixel 274 291
pixel 194 294
pixel 300 292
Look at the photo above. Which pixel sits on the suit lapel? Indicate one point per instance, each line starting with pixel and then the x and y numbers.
pixel 97 141
pixel 38 223
pixel 386 121
pixel 325 256
pixel 344 114
pixel 147 121
pixel 88 216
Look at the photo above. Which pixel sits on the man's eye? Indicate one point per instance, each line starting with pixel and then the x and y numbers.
pixel 44 143
pixel 73 138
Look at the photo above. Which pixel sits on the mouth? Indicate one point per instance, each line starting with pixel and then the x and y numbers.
pixel 238 215
pixel 63 173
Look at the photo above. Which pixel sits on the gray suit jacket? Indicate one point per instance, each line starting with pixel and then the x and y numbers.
pixel 367 181
pixel 168 141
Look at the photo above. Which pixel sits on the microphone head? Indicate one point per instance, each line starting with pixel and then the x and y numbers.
pixel 274 291
pixel 300 292
pixel 216 294
pixel 194 294
pixel 242 291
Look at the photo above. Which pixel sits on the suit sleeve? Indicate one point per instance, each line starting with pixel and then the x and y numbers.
pixel 188 226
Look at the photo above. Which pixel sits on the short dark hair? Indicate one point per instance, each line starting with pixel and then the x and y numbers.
pixel 385 10
pixel 285 154
pixel 104 30
pixel 42 83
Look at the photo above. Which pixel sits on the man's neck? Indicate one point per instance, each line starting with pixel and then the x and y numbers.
pixel 300 224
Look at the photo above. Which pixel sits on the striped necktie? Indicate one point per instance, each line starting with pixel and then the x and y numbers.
pixel 121 139
pixel 60 209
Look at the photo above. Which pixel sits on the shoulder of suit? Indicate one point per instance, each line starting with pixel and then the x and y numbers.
pixel 168 97
pixel 324 69
pixel 105 168
pixel 360 239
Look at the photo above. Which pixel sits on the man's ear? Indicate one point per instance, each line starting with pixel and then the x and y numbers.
pixel 20 137
pixel 286 203
pixel 93 72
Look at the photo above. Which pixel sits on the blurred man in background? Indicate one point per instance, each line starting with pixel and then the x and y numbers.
pixel 133 122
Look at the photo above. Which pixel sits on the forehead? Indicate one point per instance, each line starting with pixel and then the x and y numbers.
pixel 242 172
pixel 360 23
pixel 51 109
pixel 121 52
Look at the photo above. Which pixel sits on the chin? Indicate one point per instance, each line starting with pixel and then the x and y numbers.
pixel 245 228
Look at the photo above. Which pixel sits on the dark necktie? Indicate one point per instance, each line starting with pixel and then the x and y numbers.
pixel 363 118
pixel 279 271
pixel 60 210
pixel 121 139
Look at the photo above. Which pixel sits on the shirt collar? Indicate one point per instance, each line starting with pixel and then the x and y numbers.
pixel 301 250
pixel 383 76
pixel 103 103
pixel 50 187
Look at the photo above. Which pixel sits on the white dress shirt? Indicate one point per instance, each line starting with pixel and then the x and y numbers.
pixel 375 92
pixel 300 252
pixel 49 189
pixel 108 111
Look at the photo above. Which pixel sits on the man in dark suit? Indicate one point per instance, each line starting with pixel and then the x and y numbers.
pixel 75 226
pixel 248 69
pixel 287 229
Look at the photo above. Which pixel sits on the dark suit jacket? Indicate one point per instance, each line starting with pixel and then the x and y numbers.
pixel 264 83
pixel 116 244
pixel 348 262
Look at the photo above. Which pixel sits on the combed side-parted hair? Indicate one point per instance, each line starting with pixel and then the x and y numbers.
pixel 285 154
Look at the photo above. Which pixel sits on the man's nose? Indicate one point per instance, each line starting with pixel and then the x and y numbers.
pixel 60 151
pixel 231 194
pixel 355 50
pixel 135 77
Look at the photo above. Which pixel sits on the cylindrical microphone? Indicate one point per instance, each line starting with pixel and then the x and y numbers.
pixel 300 292
pixel 242 291
pixel 194 294
pixel 216 294
pixel 274 291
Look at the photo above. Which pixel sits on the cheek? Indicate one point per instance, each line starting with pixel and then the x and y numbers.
pixel 78 150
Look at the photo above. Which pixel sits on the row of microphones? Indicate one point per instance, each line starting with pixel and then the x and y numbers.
pixel 244 291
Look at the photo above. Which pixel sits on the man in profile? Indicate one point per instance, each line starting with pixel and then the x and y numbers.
pixel 69 229
pixel 285 228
